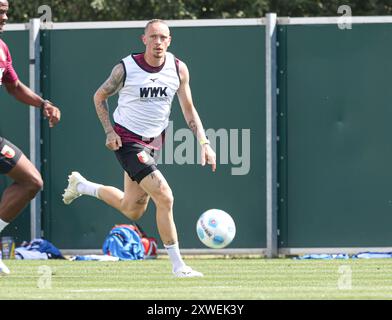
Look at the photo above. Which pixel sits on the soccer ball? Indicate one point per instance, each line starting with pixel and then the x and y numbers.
pixel 215 228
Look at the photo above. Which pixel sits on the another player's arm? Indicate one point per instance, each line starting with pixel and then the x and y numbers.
pixel 109 88
pixel 192 117
pixel 25 95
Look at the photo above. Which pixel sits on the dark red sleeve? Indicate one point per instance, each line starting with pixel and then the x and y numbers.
pixel 9 74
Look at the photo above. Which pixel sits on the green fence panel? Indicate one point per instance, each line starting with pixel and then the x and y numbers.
pixel 335 129
pixel 228 86
pixel 14 123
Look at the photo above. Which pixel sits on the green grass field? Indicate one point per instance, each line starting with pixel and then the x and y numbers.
pixel 227 279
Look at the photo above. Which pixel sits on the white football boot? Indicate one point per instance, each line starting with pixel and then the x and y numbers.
pixel 71 192
pixel 187 272
pixel 3 269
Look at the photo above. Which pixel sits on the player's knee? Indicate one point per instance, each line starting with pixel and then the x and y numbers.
pixel 34 184
pixel 135 212
pixel 165 200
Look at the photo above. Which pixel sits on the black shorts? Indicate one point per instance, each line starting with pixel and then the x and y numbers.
pixel 9 155
pixel 137 160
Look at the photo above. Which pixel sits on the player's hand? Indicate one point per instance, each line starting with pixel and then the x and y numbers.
pixel 52 113
pixel 208 156
pixel 113 141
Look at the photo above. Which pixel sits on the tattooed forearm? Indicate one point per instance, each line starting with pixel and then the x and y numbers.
pixel 110 87
pixel 197 128
pixel 102 109
pixel 192 125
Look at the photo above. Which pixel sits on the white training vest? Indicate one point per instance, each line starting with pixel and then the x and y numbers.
pixel 144 102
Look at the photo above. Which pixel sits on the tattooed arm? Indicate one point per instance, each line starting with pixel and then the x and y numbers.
pixel 192 117
pixel 109 88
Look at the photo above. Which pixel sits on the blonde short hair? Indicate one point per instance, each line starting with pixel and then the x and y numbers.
pixel 152 22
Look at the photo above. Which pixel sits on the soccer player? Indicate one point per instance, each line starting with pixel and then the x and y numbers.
pixel 27 181
pixel 147 84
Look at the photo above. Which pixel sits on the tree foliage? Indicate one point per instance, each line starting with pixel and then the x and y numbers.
pixel 116 10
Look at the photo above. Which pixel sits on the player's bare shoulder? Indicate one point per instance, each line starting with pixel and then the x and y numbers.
pixel 183 72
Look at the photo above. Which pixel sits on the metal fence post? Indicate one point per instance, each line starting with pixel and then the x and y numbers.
pixel 271 136
pixel 35 122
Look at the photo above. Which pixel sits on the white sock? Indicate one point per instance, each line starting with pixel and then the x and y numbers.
pixel 88 188
pixel 175 256
pixel 3 224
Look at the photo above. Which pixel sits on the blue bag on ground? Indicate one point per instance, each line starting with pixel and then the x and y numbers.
pixel 38 249
pixel 123 242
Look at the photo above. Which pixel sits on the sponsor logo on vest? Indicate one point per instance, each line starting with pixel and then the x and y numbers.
pixel 8 152
pixel 153 92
